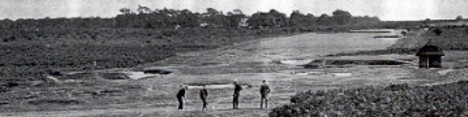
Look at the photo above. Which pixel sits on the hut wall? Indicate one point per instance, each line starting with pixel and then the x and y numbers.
pixel 430 61
pixel 423 62
pixel 435 61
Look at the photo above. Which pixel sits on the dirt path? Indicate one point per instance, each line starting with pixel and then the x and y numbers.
pixel 144 111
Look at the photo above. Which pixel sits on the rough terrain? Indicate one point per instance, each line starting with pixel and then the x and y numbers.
pixel 112 93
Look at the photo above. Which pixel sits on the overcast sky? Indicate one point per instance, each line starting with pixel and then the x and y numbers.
pixel 384 9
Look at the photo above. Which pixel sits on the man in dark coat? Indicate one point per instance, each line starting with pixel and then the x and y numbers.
pixel 181 97
pixel 203 96
pixel 264 91
pixel 237 89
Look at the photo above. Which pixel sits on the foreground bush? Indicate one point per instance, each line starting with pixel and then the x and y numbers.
pixel 395 100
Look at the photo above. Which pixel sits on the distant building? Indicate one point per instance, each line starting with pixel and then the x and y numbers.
pixel 243 22
pixel 430 56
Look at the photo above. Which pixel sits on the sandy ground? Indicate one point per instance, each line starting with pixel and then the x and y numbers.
pixel 250 63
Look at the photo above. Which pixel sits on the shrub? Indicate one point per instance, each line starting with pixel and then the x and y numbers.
pixel 437 31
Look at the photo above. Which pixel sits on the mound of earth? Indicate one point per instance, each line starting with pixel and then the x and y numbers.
pixel 216 85
pixel 319 63
pixel 55 101
pixel 157 71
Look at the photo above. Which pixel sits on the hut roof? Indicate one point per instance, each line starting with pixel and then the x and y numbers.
pixel 430 50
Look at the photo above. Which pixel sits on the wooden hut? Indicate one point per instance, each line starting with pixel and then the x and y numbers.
pixel 430 56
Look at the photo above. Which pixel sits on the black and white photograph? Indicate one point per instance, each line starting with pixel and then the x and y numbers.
pixel 233 58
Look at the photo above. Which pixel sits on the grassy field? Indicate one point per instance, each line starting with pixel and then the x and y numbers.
pixel 108 92
pixel 435 99
pixel 449 39
pixel 76 49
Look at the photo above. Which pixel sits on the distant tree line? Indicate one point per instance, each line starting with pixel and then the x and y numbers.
pixel 168 21
pixel 145 17
pixel 162 18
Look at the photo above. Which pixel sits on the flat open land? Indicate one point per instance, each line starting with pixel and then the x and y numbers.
pixel 128 92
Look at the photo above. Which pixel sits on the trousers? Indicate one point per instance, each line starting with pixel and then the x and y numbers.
pixel 235 101
pixel 264 98
pixel 181 103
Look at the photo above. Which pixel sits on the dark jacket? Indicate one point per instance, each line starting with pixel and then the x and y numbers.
pixel 203 93
pixel 181 93
pixel 264 89
pixel 237 89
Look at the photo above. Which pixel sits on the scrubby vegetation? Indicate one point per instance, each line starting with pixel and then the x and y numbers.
pixel 380 52
pixel 450 38
pixel 38 46
pixel 393 100
pixel 112 48
pixel 35 46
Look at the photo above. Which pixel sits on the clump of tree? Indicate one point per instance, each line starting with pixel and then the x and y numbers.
pixel 299 19
pixel 169 20
pixel 235 19
pixel 459 18
pixel 438 31
pixel 326 20
pixel 268 20
pixel 163 18
pixel 145 17
pixel 342 17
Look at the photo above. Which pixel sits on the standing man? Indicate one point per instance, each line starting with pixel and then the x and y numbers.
pixel 203 96
pixel 237 89
pixel 264 91
pixel 181 97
